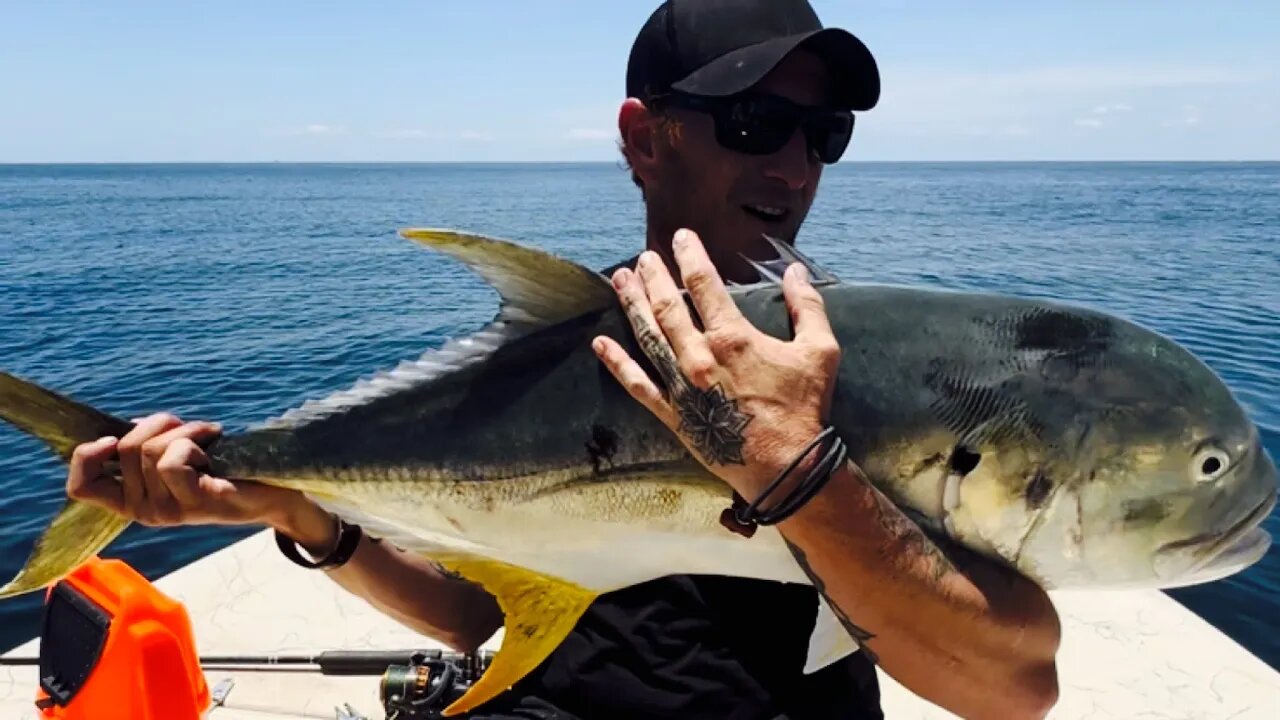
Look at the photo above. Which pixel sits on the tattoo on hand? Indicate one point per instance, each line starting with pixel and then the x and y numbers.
pixel 857 633
pixel 713 424
pixel 708 418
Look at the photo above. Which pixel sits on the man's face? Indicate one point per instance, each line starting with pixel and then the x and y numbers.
pixel 730 198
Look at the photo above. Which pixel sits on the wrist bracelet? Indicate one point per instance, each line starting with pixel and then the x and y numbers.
pixel 349 535
pixel 833 458
pixel 814 481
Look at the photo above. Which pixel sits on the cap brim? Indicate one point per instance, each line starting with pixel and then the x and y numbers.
pixel 857 78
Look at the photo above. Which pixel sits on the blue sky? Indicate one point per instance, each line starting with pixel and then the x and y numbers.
pixel 541 80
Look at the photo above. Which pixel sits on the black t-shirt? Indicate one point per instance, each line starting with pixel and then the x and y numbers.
pixel 694 648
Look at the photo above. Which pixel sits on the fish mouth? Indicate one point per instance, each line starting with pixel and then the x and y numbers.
pixel 1220 553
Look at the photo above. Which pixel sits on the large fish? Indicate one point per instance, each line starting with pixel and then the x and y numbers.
pixel 1077 447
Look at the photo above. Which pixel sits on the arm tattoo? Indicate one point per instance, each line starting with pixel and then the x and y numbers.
pixel 447 573
pixel 906 537
pixel 857 633
pixel 708 418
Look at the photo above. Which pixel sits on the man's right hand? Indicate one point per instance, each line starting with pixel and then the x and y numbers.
pixel 162 484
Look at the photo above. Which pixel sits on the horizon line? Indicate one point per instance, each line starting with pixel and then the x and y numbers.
pixel 22 163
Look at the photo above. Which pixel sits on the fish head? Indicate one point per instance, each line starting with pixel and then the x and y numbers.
pixel 1165 481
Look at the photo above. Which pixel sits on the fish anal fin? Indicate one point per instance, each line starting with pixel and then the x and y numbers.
pixel 539 610
pixel 77 533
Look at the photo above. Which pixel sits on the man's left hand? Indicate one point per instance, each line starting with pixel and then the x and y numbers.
pixel 745 403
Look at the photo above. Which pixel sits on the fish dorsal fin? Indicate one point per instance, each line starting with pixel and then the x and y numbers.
pixel 772 270
pixel 536 287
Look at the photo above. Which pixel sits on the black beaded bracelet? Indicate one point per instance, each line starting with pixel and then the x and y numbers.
pixel 349 535
pixel 814 481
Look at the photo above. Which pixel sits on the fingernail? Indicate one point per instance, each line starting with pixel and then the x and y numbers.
pixel 105 440
pixel 598 346
pixel 802 273
pixel 620 278
pixel 681 238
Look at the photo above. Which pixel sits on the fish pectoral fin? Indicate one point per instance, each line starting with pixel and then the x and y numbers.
pixel 539 610
pixel 79 532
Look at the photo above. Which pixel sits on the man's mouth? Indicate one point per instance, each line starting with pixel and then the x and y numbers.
pixel 767 213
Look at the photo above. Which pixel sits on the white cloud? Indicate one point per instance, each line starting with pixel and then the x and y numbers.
pixel 319 129
pixel 1096 77
pixel 1012 130
pixel 938 102
pixel 1190 117
pixel 590 134
pixel 406 134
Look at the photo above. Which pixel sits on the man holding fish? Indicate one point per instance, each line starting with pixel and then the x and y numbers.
pixel 733 109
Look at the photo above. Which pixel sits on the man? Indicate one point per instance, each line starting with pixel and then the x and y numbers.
pixel 734 107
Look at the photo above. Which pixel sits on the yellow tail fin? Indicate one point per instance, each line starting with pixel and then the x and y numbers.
pixel 540 611
pixel 80 530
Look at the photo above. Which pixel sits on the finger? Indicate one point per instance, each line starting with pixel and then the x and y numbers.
pixel 808 311
pixel 182 446
pixel 176 468
pixel 703 282
pixel 130 449
pixel 633 378
pixel 159 495
pixel 654 344
pixel 85 479
pixel 669 307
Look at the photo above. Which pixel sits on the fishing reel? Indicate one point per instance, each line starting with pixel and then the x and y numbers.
pixel 431 681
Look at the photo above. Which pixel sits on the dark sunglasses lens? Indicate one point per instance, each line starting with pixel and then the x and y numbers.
pixel 829 137
pixel 763 128
pixel 751 128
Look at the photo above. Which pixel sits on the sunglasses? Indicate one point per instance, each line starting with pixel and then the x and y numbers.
pixel 762 124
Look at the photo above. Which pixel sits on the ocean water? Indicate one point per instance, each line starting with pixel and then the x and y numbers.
pixel 232 292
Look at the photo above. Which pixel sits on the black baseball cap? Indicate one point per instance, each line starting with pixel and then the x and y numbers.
pixel 722 47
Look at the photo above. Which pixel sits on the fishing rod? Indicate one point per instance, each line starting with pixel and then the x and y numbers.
pixel 414 683
pixel 328 662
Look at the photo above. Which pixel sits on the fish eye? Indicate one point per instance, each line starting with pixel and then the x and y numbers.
pixel 1210 464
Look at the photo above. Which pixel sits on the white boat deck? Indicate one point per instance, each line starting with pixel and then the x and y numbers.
pixel 1124 654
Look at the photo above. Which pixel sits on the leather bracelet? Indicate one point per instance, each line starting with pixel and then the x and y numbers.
pixel 349 535
pixel 812 483
pixel 814 480
pixel 746 515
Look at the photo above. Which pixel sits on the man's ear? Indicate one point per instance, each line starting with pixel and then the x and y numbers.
pixel 637 126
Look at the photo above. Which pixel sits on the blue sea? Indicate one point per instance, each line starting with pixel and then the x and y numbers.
pixel 232 292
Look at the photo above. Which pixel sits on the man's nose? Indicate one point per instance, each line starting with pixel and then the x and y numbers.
pixel 791 163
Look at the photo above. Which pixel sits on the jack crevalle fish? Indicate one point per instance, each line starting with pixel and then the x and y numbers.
pixel 1079 448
